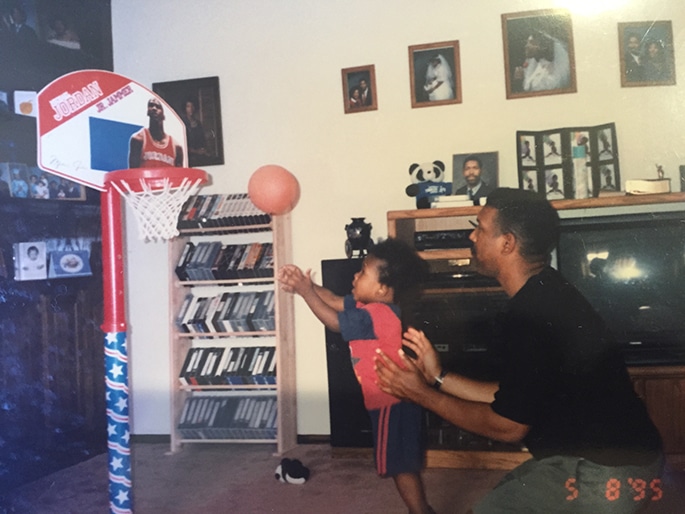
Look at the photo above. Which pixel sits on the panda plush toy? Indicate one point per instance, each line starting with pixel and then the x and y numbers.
pixel 428 180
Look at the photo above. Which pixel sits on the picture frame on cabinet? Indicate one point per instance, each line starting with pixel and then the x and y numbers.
pixel 30 261
pixel 359 89
pixel 570 163
pixel 539 55
pixel 483 164
pixel 647 54
pixel 198 104
pixel 435 74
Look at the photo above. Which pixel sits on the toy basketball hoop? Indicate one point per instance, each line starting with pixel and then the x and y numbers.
pixel 156 196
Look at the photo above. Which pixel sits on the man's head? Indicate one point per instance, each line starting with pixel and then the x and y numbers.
pixel 18 15
pixel 633 44
pixel 394 265
pixel 472 169
pixel 190 107
pixel 528 218
pixel 155 111
pixel 363 84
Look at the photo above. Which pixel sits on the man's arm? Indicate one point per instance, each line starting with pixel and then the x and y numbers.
pixel 135 147
pixel 428 363
pixel 322 302
pixel 178 161
pixel 474 416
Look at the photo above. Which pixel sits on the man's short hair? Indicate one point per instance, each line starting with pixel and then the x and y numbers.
pixel 472 157
pixel 530 217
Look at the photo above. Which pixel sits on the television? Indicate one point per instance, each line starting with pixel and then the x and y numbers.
pixel 631 267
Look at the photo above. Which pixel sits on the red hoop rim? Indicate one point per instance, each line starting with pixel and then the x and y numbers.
pixel 156 178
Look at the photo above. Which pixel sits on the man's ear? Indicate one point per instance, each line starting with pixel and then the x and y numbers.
pixel 509 243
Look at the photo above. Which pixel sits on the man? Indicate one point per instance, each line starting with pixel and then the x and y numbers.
pixel 633 60
pixel 195 134
pixel 547 65
pixel 365 92
pixel 151 147
pixel 562 389
pixel 475 187
pixel 23 33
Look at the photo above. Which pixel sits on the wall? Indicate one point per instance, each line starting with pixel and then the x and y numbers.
pixel 279 65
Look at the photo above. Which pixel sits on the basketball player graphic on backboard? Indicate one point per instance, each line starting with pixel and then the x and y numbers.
pixel 151 147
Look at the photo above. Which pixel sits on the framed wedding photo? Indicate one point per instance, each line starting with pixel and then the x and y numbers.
pixel 434 74
pixel 359 89
pixel 646 50
pixel 538 53
pixel 198 104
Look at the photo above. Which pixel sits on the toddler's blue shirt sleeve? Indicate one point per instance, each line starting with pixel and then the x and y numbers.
pixel 355 323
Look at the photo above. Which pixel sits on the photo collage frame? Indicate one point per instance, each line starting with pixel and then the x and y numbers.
pixel 569 163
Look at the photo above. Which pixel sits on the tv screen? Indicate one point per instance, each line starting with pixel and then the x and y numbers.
pixel 632 270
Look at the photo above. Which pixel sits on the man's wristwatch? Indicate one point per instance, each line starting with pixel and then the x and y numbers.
pixel 439 379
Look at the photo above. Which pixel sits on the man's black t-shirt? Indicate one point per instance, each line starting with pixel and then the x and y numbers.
pixel 562 373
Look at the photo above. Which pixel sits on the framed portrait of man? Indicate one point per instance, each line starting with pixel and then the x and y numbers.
pixel 434 74
pixel 538 53
pixel 647 56
pixel 359 89
pixel 475 174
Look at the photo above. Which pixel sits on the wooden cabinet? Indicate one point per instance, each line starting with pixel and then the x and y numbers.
pixel 223 401
pixel 662 388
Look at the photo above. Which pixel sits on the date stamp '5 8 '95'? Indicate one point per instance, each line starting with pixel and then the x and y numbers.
pixel 637 487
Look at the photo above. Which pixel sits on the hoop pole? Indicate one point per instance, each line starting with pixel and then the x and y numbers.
pixel 116 355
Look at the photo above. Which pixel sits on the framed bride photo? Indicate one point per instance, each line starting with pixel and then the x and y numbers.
pixel 434 74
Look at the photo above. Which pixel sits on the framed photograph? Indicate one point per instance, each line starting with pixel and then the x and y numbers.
pixel 359 89
pixel 475 174
pixel 538 53
pixel 64 189
pixel 646 50
pixel 434 74
pixel 198 104
pixel 30 261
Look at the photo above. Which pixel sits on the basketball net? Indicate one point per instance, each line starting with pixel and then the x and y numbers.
pixel 157 203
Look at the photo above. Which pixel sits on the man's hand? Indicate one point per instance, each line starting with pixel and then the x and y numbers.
pixel 406 384
pixel 427 359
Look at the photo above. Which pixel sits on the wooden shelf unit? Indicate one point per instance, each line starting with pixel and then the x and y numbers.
pixel 661 387
pixel 282 338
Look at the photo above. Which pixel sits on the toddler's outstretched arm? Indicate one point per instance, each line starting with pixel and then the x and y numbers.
pixel 323 303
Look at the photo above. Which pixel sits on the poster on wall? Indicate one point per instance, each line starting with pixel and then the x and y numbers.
pixel 197 102
pixel 569 163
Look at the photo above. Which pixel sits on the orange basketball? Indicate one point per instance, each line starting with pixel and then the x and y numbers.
pixel 273 189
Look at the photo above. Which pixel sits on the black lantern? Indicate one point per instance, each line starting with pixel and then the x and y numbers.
pixel 358 238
